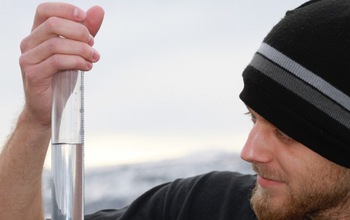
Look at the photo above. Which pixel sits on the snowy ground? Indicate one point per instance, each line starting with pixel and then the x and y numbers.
pixel 115 187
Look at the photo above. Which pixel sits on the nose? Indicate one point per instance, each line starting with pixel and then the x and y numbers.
pixel 257 148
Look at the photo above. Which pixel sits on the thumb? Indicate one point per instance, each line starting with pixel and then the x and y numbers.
pixel 94 18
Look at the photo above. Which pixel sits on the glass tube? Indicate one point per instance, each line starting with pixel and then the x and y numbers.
pixel 67 146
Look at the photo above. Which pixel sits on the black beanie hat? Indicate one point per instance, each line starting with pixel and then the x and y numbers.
pixel 299 79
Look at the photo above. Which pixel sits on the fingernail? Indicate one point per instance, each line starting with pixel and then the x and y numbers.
pixel 91 40
pixel 88 66
pixel 79 14
pixel 95 55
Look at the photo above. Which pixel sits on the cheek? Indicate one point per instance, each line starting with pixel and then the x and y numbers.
pixel 296 168
pixel 309 173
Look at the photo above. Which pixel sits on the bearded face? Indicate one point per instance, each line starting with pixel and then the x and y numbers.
pixel 293 182
pixel 321 192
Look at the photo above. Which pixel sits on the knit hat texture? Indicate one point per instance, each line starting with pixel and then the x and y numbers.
pixel 299 79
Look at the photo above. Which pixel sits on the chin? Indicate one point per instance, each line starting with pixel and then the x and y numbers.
pixel 273 204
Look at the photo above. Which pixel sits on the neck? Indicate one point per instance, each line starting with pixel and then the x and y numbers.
pixel 341 212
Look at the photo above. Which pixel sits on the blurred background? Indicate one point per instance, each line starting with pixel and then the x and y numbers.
pixel 166 87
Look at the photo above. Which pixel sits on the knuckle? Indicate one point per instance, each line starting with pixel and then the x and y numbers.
pixel 22 60
pixel 83 34
pixel 52 45
pixel 30 75
pixel 83 64
pixel 79 63
pixel 23 45
pixel 54 61
pixel 51 23
pixel 40 10
pixel 85 51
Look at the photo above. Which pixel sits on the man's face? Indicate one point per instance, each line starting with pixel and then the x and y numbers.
pixel 293 182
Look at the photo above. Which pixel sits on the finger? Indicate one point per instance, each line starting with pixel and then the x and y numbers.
pixel 39 73
pixel 53 9
pixel 94 18
pixel 60 62
pixel 59 45
pixel 54 27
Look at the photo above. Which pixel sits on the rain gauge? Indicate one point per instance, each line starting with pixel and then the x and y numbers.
pixel 67 146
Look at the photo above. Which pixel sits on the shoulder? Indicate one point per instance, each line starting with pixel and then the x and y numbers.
pixel 225 177
pixel 215 195
pixel 216 181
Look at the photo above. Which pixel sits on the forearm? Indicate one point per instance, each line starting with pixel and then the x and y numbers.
pixel 21 164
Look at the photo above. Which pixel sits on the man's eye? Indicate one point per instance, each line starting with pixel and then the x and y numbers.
pixel 283 136
pixel 252 117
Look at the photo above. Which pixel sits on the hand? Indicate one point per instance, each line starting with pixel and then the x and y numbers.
pixel 61 39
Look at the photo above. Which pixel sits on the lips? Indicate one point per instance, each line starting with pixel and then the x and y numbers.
pixel 267 182
pixel 267 177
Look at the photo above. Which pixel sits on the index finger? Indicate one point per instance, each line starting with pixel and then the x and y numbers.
pixel 55 9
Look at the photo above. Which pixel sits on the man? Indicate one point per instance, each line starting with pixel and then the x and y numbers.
pixel 296 88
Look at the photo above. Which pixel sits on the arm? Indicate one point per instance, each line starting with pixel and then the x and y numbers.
pixel 44 53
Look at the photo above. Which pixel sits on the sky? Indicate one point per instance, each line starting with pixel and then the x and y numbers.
pixel 169 76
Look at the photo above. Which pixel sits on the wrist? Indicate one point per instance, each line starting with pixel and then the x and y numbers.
pixel 28 119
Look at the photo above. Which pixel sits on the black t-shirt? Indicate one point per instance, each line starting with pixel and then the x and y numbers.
pixel 212 196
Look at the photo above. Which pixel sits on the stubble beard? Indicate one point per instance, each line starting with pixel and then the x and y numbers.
pixel 266 210
pixel 310 202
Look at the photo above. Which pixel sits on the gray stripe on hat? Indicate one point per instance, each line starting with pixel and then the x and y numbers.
pixel 301 89
pixel 306 75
